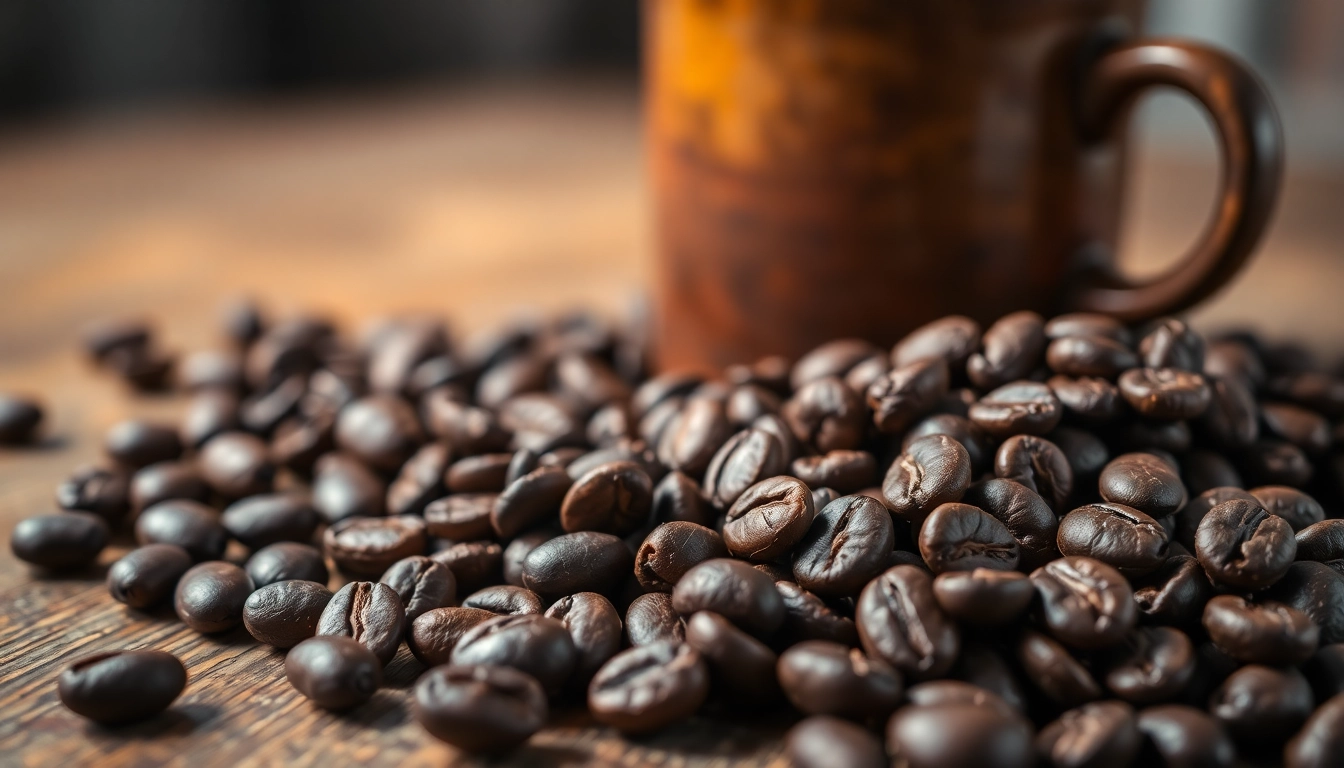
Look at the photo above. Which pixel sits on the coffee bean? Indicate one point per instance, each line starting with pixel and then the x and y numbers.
pixel 845 547
pixel 843 471
pixel 615 498
pixel 960 537
pixel 899 621
pixel 474 563
pixel 421 584
pixel 951 339
pixel 1023 407
pixel 1089 354
pixel 747 458
pixel 147 575
pixel 938 693
pixel 479 708
pixel 530 501
pixel 462 516
pixel 1103 733
pixel 1318 591
pixel 1241 545
pixel 344 488
pixel 693 436
pixel 60 542
pixel 103 492
pixel 741 668
pixel 104 337
pixel 1320 743
pixel 826 678
pixel 381 430
pixel 285 613
pixel 678 498
pixel 188 524
pixel 901 396
pixel 468 429
pixel 807 617
pixel 1165 394
pixel 210 596
pixel 1154 664
pixel 1055 673
pixel 1120 536
pixel 505 600
pixel 1086 399
pixel 1232 419
pixel 1144 482
pixel 587 561
pixel 1262 705
pixel 541 422
pixel 531 643
pixel 237 464
pixel 334 672
pixel 1260 633
pixel 594 626
pixel 652 619
pixel 982 596
pixel 1190 516
pixel 1175 594
pixel 120 687
pixel 286 560
pixel 483 473
pixel 420 480
pixel 1311 389
pixel 525 372
pixel 1023 512
pixel 515 554
pixel 834 358
pixel 1038 464
pixel 1294 506
pixel 1011 349
pixel 219 370
pixel 959 735
pixel 258 521
pixel 646 688
pixel 1322 541
pixel 369 546
pixel 933 470
pixel 826 415
pixel 672 549
pixel 434 633
pixel 625 450
pixel 822 742
pixel 1181 735
pixel 977 444
pixel 769 519
pixel 298 442
pixel 19 419
pixel 1084 602
pixel 1172 344
pixel 368 612
pixel 984 667
pixel 137 444
pixel 734 590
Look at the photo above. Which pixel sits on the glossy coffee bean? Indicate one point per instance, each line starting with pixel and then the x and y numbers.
pixel 1145 482
pixel 1322 541
pixel 19 419
pixel 1153 664
pixel 741 668
pixel 951 339
pixel 586 561
pixel 1318 591
pixel 530 501
pixel 120 687
pixel 1171 343
pixel 343 487
pixel 237 464
pixel 938 693
pixel 900 622
pixel 285 613
pixel 1086 399
pixel 679 498
pixel 652 619
pixel 333 671
pixel 843 471
pixel 369 546
pixel 210 596
pixel 646 688
pixel 982 596
pixel 299 441
pixel 733 589
pixel 1011 349
pixel 138 444
pixel 1055 673
pixel 594 626
pixel 1175 594
pixel 381 430
pixel 821 677
pixel 1022 407
pixel 419 481
pixel 1103 734
pixel 903 395
pixel 1084 602
pixel 434 633
pixel 259 521
pixel 960 537
pixel 769 519
pixel 833 358
pixel 541 422
pixel 1120 536
pixel 1038 464
pixel 1190 516
pixel 1320 743
pixel 368 612
pixel 747 458
pixel 1241 545
pixel 422 584
pixel 1260 633
pixel 486 472
pixel 1262 705
pixel 807 617
pixel 1165 394
pixel 474 563
pixel 1294 506
pixel 147 575
pixel 505 600
pixel 61 541
pixel 531 643
pixel 846 547
pixel 694 434
pixel 821 741
pixel 1023 512
pixel 979 447
pixel 1179 735
pixel 933 470
pixel 104 492
pixel 461 516
pixel 614 498
pixel 479 708
pixel 468 429
pixel 1089 354
pixel 286 560
pixel 188 524
pixel 826 415
pixel 959 736
pixel 1294 424
pixel 672 549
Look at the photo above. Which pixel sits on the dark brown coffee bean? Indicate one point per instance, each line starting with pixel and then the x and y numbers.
pixel 286 560
pixel 1054 672
pixel 826 678
pixel 1098 735
pixel 1172 344
pixel 978 446
pixel 960 735
pixel 742 668
pixel 1318 591
pixel 747 458
pixel 434 633
pixel 769 519
pixel 237 464
pixel 1320 743
pixel 899 621
pixel 678 498
pixel 940 693
pixel 749 402
pixel 285 613
pixel 826 415
pixel 1144 482
pixel 843 471
pixel 188 524
pixel 138 444
pixel 147 575
pixel 298 442
pixel 982 596
pixel 1174 594
pixel 479 708
pixel 530 501
pixel 646 688
pixel 1322 541
pixel 505 600
pixel 846 547
pixel 901 396
pixel 734 590
pixel 807 617
pixel 263 411
pixel 103 337
pixel 1089 355
pixel 483 473
pixel 531 643
pixel 933 470
pixel 515 554
pixel 210 596
pixel 960 537
pixel 343 488
pixel 1022 407
pixel 985 667
pixel 541 422
pixel 420 480
pixel 333 672
pixel 468 429
pixel 369 546
pixel 1262 705
pixel 61 541
pixel 1241 545
pixel 381 430
pixel 1190 516
pixel 1165 394
pixel 586 561
pixel 1232 419
pixel 120 687
pixel 652 619
pixel 1185 736
pixel 1294 506
pixel 693 436
pixel 422 585
pixel 823 742
pixel 474 563
pixel 513 376
pixel 614 498
pixel 462 516
pixel 594 626
pixel 951 339
pixel 672 549
pixel 1038 464
pixel 1085 603
pixel 1260 633
pixel 1120 536
pixel 258 521
pixel 368 612
pixel 210 413
pixel 1086 399
pixel 1023 512
pixel 103 492
pixel 1011 349
pixel 834 358
pixel 1154 664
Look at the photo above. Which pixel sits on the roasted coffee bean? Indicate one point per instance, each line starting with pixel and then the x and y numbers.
pixel 1097 735
pixel 434 633
pixel 821 741
pixel 147 575
pixel 678 498
pixel 210 413
pixel 1023 512
pixel 586 561
pixel 422 585
pixel 1086 399
pixel 1153 664
pixel 120 687
pixel 614 498
pixel 383 431
pixel 541 422
pixel 521 462
pixel 821 677
pixel 747 458
pixel 1317 590
pixel 1190 516
pixel 370 613
pixel 1089 354
pixel 525 372
pixel 1120 536
pixel 826 415
pixel 741 668
pixel 474 563
pixel 1241 545
pixel 624 450
pixel 1023 407
pixel 479 708
pixel 298 442
pixel 749 402
pixel 468 429
pixel 1145 482
pixel 672 549
pixel 951 339
pixel 61 541
pixel 843 471
pixel 1275 462
pixel 285 613
pixel 1011 349
pixel 1305 429
pixel 1320 743
pixel 1165 394
pixel 138 444
pixel 777 426
pixel 1260 633
pixel 961 735
pixel 938 693
pixel 978 445
pixel 1294 506
pixel 960 537
pixel 334 672
pixel 807 617
pixel 210 596
pixel 1322 541
pixel 286 560
pixel 531 643
pixel 343 488
pixel 982 596
pixel 237 464
pixel 369 546
pixel 1262 705
pixel 694 435
pixel 734 590
pixel 1185 736
pixel 899 621
pixel 530 501
pixel 188 524
pixel 505 600
pixel 264 410
pixel 1084 602
pixel 594 626
pixel 769 519
pixel 484 473
pixel 846 547
pixel 646 688
pixel 652 619
pixel 661 388
pixel 1175 594
pixel 1038 464
pixel 1054 672
pixel 901 396
pixel 1086 454
pixel 462 516
pixel 1232 419
pixel 211 369
pixel 1172 344
pixel 103 337
pixel 933 470
pixel 104 492
pixel 420 480
pixel 834 358
pixel 258 521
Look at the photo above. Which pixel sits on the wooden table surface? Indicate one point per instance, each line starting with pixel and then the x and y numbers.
pixel 472 204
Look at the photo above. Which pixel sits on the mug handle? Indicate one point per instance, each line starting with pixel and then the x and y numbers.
pixel 1251 145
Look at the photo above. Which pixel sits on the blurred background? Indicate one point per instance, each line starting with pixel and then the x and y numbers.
pixel 361 157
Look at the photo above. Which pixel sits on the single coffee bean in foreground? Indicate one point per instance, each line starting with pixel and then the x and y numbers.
pixel 287 560
pixel 646 688
pixel 285 613
pixel 334 672
pixel 821 741
pixel 60 542
pixel 422 584
pixel 821 677
pixel 370 613
pixel 479 708
pixel 120 687
pixel 147 575
pixel 210 596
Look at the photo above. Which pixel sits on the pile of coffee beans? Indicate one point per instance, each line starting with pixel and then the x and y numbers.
pixel 1065 542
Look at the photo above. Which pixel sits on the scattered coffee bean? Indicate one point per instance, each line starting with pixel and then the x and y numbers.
pixel 846 547
pixel 505 600
pixel 434 633
pixel 369 546
pixel 1084 602
pixel 334 672
pixel 1023 512
pixel 741 668
pixel 537 645
pixel 1038 464
pixel 60 542
pixel 746 459
pixel 368 612
pixel 1260 633
pixel 678 498
pixel 821 741
pixel 19 419
pixel 614 498
pixel 120 687
pixel 1175 594
pixel 807 617
pixel 1145 482
pixel 1023 407
pixel 1181 735
pixel 899 621
pixel 479 708
pixel 1262 705
pixel 1294 506
pixel 381 430
pixel 1055 673
pixel 137 444
pixel 1089 354
pixel 1086 399
pixel 1320 743
pixel 652 619
pixel 210 596
pixel 983 597
pixel 594 626
pixel 960 735
pixel 104 492
pixel 586 561
pixel 147 575
pixel 343 487
pixel 1120 536
pixel 420 480
pixel 474 563
pixel 734 590
pixel 1153 664
pixel 648 687
pixel 422 584
pixel 821 677
pixel 1316 590
pixel 262 520
pixel 903 395
pixel 285 613
pixel 237 464
pixel 769 519
pixel 933 470
pixel 188 524
pixel 960 537
pixel 1101 733
pixel 826 415
pixel 1241 545
pixel 530 501
pixel 672 549
pixel 287 560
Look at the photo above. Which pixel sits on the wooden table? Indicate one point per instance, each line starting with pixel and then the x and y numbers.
pixel 472 204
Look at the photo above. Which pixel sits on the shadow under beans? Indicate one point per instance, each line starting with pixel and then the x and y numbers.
pixel 92 573
pixel 402 672
pixel 385 711
pixel 178 720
